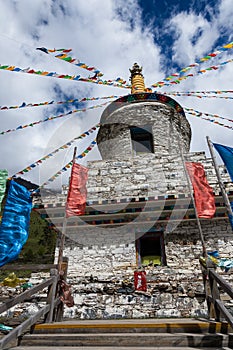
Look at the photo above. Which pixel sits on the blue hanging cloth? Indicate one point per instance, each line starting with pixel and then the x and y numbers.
pixel 230 216
pixel 226 153
pixel 15 222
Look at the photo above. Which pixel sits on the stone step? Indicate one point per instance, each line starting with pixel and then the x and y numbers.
pixel 134 326
pixel 110 348
pixel 127 340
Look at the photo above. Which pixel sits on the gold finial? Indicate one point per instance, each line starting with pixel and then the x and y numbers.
pixel 137 79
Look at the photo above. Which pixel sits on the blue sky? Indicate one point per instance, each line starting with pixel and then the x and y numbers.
pixel 159 15
pixel 161 35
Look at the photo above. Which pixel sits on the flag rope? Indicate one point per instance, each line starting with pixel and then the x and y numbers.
pixel 48 103
pixel 207 114
pixel 49 155
pixel 20 127
pixel 87 99
pixel 200 92
pixel 69 164
pixel 199 115
pixel 195 64
pixel 184 77
pixel 199 96
pixel 29 70
pixel 63 56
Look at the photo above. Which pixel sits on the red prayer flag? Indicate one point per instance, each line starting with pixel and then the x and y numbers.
pixel 77 194
pixel 203 193
pixel 140 280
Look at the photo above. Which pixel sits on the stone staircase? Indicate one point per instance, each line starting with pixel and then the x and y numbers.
pixel 129 334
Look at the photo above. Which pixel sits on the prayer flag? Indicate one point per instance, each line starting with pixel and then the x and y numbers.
pixel 203 193
pixel 226 153
pixel 3 179
pixel 15 222
pixel 77 194
pixel 140 280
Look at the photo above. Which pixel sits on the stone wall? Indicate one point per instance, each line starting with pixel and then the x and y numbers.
pixel 145 176
pixel 102 276
pixel 103 279
pixel 170 129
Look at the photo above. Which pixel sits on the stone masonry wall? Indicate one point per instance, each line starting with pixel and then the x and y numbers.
pixel 102 276
pixel 144 176
pixel 169 128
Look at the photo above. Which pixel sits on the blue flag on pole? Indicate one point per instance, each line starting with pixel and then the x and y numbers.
pixel 226 153
pixel 230 216
pixel 15 222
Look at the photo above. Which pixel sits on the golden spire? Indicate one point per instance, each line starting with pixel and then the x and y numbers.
pixel 137 79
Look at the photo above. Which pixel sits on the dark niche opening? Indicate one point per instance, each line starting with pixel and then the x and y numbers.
pixel 150 249
pixel 142 139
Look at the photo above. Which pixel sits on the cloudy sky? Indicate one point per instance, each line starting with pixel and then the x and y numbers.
pixel 163 36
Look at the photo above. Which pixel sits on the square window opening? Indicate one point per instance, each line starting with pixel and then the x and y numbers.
pixel 150 249
pixel 142 139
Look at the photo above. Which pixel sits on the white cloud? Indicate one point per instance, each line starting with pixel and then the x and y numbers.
pixel 109 35
pixel 225 18
pixel 194 37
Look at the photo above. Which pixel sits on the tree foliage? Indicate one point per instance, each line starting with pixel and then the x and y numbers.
pixel 40 246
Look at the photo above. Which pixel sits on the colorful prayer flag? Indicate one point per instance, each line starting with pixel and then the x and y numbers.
pixel 77 194
pixel 15 222
pixel 203 193
pixel 226 153
pixel 3 179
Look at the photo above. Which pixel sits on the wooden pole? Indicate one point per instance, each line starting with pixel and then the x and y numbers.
pixel 194 206
pixel 221 185
pixel 196 214
pixel 63 234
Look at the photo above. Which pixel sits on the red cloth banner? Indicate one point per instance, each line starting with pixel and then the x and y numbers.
pixel 203 193
pixel 140 280
pixel 77 194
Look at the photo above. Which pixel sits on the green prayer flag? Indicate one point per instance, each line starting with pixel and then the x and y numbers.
pixel 3 179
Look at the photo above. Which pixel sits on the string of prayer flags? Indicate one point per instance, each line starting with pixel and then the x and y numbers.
pixel 87 150
pixel 195 64
pixel 63 56
pixel 3 180
pixel 77 194
pixel 199 115
pixel 76 100
pixel 58 173
pixel 20 127
pixel 65 146
pixel 208 57
pixel 226 153
pixel 120 83
pixel 200 92
pixel 196 95
pixel 15 222
pixel 203 193
pixel 207 114
pixel 68 165
pixel 178 79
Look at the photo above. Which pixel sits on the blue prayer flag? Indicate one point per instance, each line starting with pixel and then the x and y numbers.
pixel 230 216
pixel 226 153
pixel 15 222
